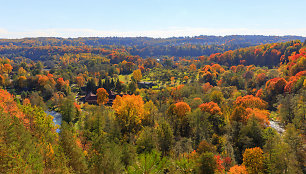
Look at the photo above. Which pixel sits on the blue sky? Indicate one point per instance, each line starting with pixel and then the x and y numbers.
pixel 154 18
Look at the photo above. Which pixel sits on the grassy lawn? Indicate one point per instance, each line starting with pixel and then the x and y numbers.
pixel 125 78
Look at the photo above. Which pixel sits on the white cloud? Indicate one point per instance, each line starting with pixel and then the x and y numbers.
pixel 170 32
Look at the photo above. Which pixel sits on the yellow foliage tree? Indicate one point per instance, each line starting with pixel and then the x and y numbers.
pixel 129 111
pixel 137 75
pixel 253 159
pixel 22 71
pixel 80 81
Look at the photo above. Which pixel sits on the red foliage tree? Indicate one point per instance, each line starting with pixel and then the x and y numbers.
pixel 276 86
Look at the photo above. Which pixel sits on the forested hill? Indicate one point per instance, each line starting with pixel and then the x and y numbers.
pixel 147 41
pixel 157 47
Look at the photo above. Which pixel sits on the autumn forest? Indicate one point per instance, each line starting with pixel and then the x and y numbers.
pixel 139 105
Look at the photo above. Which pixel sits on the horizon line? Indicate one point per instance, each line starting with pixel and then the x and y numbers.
pixel 152 37
pixel 160 33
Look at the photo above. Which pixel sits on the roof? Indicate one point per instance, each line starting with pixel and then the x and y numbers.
pixel 145 83
pixel 90 97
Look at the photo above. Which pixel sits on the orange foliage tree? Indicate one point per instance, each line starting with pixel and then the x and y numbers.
pixel 238 114
pixel 176 92
pixel 10 107
pixel 181 109
pixel 215 115
pixel 186 78
pixel 250 106
pixel 102 96
pixel 261 79
pixel 193 67
pixel 178 115
pixel 211 108
pixel 7 68
pixel 2 80
pixel 206 87
pixel 238 170
pixel 249 101
pixel 261 115
pixel 42 80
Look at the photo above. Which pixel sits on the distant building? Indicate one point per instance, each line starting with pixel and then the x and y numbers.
pixel 111 98
pixel 91 98
pixel 145 85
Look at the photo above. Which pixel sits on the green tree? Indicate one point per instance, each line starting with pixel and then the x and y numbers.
pixel 91 85
pixel 206 163
pixel 146 141
pixel 19 150
pixel 201 127
pixel 294 139
pixel 149 163
pixel 67 109
pixel 74 154
pixel 165 138
pixel 132 86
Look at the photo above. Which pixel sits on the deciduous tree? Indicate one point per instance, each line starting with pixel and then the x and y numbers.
pixel 129 111
pixel 102 96
pixel 253 159
pixel 137 75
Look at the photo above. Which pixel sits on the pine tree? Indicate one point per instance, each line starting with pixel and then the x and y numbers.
pixel 118 86
pixel 91 86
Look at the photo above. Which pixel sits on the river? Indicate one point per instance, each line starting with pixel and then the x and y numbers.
pixel 57 118
pixel 275 125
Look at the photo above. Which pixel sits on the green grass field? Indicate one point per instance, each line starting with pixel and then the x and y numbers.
pixel 125 78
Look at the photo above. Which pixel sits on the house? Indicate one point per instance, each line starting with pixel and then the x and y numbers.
pixel 145 85
pixel 91 98
pixel 111 97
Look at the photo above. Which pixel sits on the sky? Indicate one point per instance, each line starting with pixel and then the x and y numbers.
pixel 152 18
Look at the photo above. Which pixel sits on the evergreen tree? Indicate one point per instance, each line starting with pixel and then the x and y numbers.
pixel 73 153
pixel 165 138
pixel 100 85
pixel 118 86
pixel 91 86
pixel 67 109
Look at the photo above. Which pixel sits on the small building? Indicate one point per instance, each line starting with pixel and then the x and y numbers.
pixel 111 97
pixel 91 98
pixel 145 85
